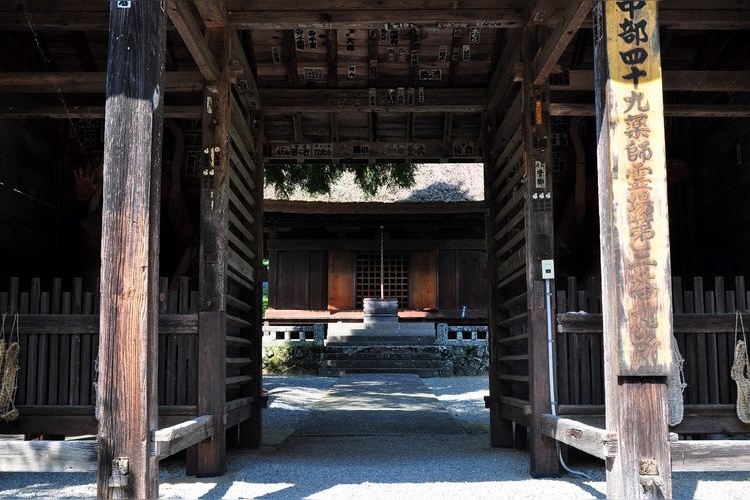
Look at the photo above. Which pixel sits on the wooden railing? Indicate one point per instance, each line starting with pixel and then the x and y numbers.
pixel 59 336
pixel 704 326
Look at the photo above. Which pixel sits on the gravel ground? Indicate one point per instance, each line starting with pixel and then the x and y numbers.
pixel 397 467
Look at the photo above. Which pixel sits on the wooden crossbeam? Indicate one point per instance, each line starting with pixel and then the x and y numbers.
pixel 682 80
pixel 541 11
pixel 417 150
pixel 213 12
pixel 48 456
pixel 600 443
pixel 88 82
pixel 714 15
pixel 86 112
pixel 176 438
pixel 679 110
pixel 683 323
pixel 546 59
pixel 715 456
pixel 369 17
pixel 285 101
pixel 188 28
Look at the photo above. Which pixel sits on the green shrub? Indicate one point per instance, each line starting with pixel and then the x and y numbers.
pixel 292 358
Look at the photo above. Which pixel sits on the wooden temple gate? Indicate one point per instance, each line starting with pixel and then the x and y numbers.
pixel 331 97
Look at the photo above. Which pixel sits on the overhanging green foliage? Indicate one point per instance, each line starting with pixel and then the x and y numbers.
pixel 318 179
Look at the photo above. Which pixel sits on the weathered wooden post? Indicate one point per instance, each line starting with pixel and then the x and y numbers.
pixel 634 228
pixel 209 457
pixel 536 127
pixel 127 393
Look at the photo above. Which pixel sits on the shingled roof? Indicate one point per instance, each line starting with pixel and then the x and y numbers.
pixel 445 182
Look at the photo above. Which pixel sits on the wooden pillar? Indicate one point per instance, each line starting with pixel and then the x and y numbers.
pixel 208 458
pixel 539 246
pixel 127 395
pixel 633 222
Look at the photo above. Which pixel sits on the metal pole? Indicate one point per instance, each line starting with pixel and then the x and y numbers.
pixel 382 265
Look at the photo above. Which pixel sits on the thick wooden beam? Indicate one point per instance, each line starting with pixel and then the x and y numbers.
pixel 312 207
pixel 368 17
pixel 636 287
pixel 364 150
pixel 682 323
pixel 65 113
pixel 674 80
pixel 285 101
pixel 541 11
pixel 48 456
pixel 400 245
pixel 715 15
pixel 88 83
pixel 572 18
pixel 130 251
pixel 176 438
pixel 213 12
pixel 188 28
pixel 679 110
pixel 88 324
pixel 710 456
pixel 597 442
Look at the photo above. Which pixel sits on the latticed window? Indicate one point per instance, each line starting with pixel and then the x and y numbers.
pixel 395 277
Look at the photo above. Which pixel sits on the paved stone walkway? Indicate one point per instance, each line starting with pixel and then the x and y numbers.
pixel 378 404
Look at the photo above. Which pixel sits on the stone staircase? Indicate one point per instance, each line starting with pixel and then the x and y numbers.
pixel 414 357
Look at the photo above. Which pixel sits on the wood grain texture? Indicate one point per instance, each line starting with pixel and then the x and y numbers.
pixel 703 456
pixel 539 230
pixel 594 441
pixel 130 247
pixel 48 456
pixel 636 406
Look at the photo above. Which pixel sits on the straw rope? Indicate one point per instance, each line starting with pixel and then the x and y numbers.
pixel 741 371
pixel 676 386
pixel 10 350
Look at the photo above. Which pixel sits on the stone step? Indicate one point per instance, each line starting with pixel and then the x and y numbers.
pixel 380 349
pixel 337 372
pixel 346 340
pixel 389 356
pixel 384 363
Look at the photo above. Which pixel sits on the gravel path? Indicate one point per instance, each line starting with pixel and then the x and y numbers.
pixel 399 467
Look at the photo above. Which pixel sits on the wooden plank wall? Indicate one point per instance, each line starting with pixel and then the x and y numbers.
pixel 708 350
pixel 59 336
pixel 506 255
pixel 244 288
pixel 298 279
pixel 462 279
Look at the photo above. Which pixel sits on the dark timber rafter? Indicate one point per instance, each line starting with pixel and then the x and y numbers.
pixel 558 41
pixel 541 11
pixel 270 14
pixel 187 26
pixel 213 12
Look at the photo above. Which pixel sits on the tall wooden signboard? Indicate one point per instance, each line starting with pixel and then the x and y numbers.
pixel 634 244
